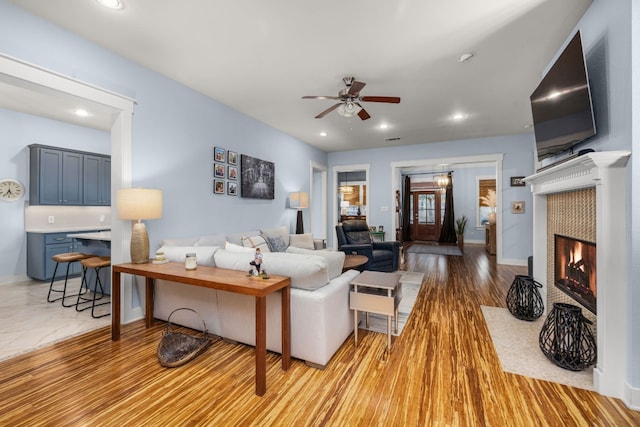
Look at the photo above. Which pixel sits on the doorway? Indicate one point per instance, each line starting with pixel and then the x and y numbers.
pixel 427 214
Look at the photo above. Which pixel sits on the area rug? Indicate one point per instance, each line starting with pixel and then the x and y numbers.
pixel 411 284
pixel 516 342
pixel 434 249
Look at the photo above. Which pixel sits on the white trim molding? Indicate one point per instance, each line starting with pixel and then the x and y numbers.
pixel 606 172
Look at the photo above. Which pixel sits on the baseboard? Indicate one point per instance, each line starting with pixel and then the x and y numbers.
pixel 632 397
pixel 521 262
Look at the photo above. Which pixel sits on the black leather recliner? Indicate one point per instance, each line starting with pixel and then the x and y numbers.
pixel 354 238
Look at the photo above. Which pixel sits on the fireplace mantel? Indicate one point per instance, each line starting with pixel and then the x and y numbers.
pixel 580 172
pixel 606 172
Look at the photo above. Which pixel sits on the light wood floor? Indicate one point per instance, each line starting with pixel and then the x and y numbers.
pixel 442 371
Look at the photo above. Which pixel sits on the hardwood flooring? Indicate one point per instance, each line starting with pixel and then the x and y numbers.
pixel 442 371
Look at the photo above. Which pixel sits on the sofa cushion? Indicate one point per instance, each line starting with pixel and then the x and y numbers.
pixel 304 241
pixel 276 243
pixel 181 241
pixel 307 272
pixel 277 231
pixel 256 242
pixel 236 238
pixel 232 247
pixel 335 259
pixel 212 240
pixel 204 254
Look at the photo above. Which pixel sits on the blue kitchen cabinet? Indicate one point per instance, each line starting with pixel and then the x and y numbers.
pixel 42 246
pixel 97 180
pixel 68 177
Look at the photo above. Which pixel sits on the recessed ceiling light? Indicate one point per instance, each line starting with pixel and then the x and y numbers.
pixel 111 4
pixel 80 112
pixel 528 126
pixel 323 134
pixel 384 126
pixel 466 56
pixel 458 116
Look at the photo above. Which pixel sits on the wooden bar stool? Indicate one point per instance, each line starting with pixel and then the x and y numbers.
pixel 68 258
pixel 96 263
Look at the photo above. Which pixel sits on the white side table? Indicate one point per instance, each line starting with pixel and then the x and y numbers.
pixel 376 292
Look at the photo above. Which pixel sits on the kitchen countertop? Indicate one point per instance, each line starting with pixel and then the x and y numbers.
pixel 67 229
pixel 104 236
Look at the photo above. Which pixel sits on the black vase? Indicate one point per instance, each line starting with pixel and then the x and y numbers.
pixel 523 299
pixel 566 338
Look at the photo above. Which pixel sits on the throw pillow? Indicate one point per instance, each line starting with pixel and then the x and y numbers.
pixel 232 247
pixel 276 244
pixel 281 231
pixel 304 241
pixel 256 242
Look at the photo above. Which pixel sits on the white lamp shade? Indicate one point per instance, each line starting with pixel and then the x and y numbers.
pixel 299 200
pixel 139 203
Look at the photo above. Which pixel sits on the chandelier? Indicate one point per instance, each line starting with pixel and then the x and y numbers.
pixel 441 181
pixel 346 188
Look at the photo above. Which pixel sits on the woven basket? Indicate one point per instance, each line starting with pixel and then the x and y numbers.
pixel 177 348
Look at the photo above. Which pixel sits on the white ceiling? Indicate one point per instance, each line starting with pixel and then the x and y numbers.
pixel 260 57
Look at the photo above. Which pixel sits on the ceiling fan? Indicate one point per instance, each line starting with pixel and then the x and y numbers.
pixel 350 99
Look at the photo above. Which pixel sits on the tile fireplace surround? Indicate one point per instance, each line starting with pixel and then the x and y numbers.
pixel 606 172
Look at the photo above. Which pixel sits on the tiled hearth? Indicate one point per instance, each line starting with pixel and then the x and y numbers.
pixel 602 173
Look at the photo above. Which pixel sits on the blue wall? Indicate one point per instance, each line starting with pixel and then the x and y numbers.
pixel 174 132
pixel 17 131
pixel 518 161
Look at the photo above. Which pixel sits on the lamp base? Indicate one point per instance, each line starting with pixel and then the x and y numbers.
pixel 139 244
pixel 299 224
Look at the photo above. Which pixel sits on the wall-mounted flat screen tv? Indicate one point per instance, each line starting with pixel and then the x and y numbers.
pixel 561 104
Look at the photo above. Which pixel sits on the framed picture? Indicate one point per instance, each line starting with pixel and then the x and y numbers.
pixel 219 154
pixel 232 172
pixel 218 170
pixel 218 186
pixel 517 181
pixel 517 207
pixel 257 178
pixel 232 188
pixel 232 157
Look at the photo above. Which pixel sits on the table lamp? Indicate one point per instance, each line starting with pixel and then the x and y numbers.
pixel 299 200
pixel 137 204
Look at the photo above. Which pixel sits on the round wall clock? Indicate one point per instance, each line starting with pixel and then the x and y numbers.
pixel 11 190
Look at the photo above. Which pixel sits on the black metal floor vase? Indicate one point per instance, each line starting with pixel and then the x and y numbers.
pixel 523 299
pixel 566 338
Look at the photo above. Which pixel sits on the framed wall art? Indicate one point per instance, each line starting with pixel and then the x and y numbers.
pixel 257 178
pixel 218 170
pixel 232 172
pixel 517 207
pixel 218 186
pixel 232 157
pixel 517 181
pixel 219 154
pixel 232 188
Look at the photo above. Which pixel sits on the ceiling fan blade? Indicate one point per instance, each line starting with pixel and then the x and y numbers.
pixel 390 99
pixel 363 113
pixel 319 97
pixel 328 110
pixel 355 88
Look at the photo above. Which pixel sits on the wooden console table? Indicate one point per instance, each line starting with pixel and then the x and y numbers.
pixel 214 278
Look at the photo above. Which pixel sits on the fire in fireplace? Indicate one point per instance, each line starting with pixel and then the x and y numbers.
pixel 575 270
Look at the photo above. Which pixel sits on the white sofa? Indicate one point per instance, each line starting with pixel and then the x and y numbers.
pixel 320 317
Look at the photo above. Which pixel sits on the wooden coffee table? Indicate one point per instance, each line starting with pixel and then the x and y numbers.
pixel 354 262
pixel 215 278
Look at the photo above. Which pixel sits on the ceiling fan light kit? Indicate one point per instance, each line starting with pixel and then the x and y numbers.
pixel 350 99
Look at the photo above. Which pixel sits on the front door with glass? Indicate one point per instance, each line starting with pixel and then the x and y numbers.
pixel 427 214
